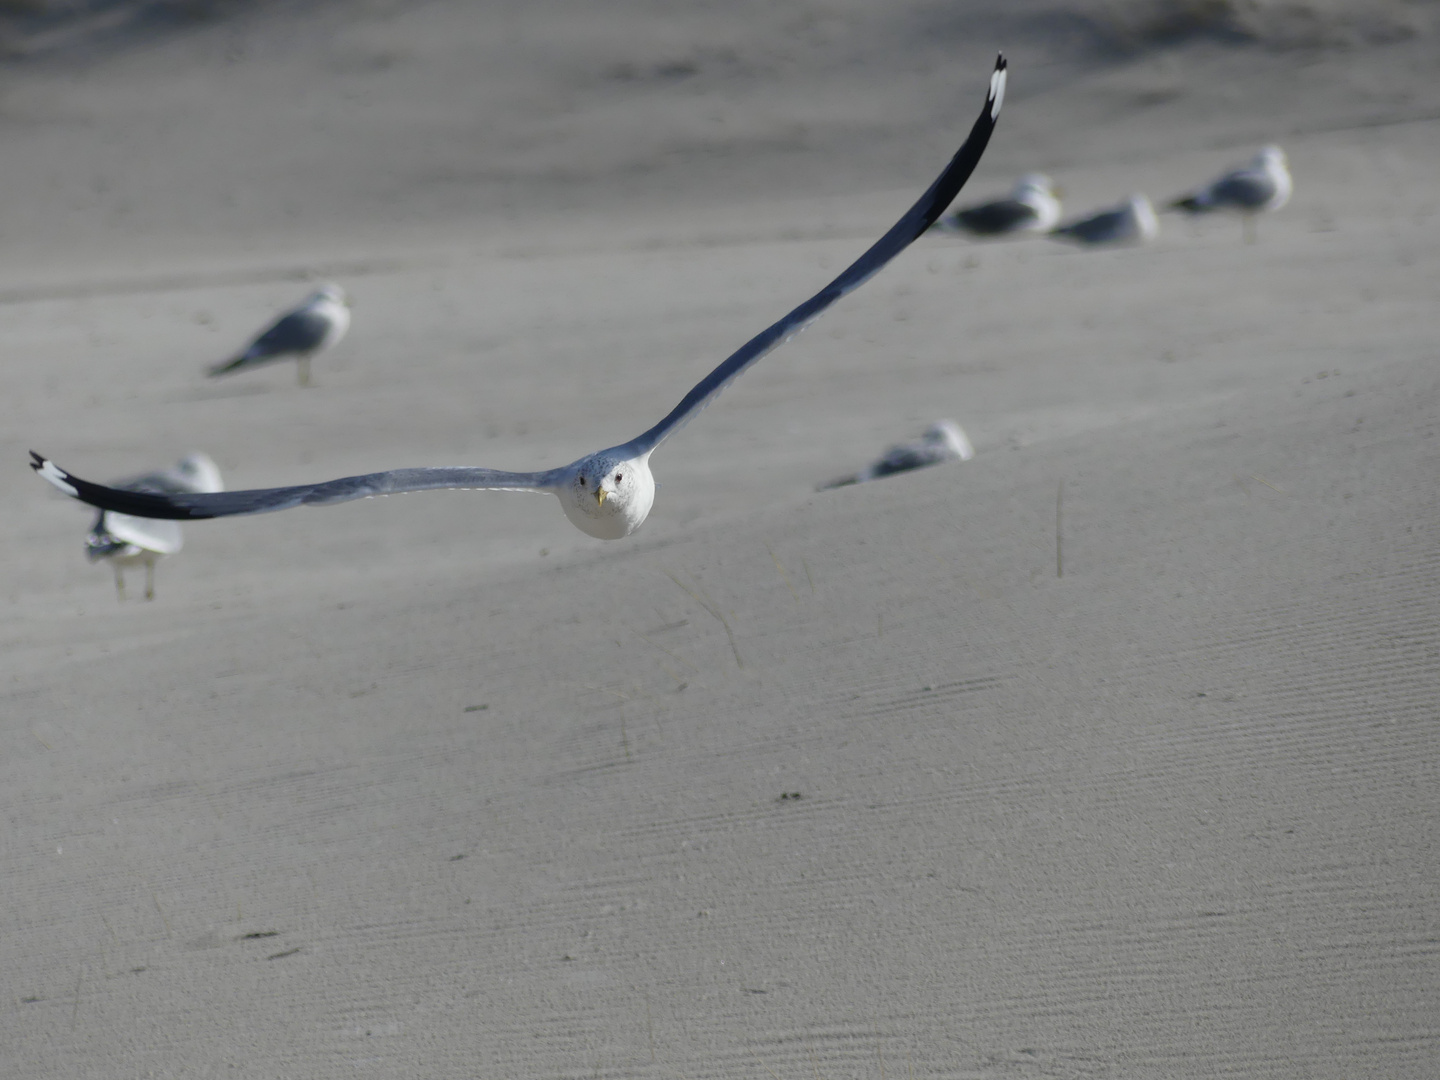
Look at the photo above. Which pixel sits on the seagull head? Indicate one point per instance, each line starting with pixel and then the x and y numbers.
pixel 951 436
pixel 329 293
pixel 1269 157
pixel 610 494
pixel 1034 184
pixel 200 472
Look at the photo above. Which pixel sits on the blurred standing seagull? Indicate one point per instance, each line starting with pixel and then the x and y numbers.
pixel 1132 222
pixel 1259 186
pixel 130 541
pixel 942 441
pixel 314 326
pixel 1031 208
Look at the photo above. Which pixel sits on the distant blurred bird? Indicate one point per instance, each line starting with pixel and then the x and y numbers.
pixel 130 541
pixel 1032 207
pixel 1131 222
pixel 942 441
pixel 313 327
pixel 1259 186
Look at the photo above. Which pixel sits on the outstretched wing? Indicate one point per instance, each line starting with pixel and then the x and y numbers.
pixel 916 220
pixel 189 507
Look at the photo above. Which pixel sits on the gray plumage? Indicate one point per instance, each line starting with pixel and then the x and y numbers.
pixel 1031 207
pixel 1131 222
pixel 942 441
pixel 125 540
pixel 318 323
pixel 1261 185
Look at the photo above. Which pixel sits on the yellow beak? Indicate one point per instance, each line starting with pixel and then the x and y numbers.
pixel 600 494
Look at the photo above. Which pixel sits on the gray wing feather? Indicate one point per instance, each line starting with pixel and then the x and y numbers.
pixel 189 506
pixel 995 218
pixel 1098 228
pixel 1248 189
pixel 915 221
pixel 300 331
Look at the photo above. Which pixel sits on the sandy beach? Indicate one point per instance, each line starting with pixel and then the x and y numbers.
pixel 913 777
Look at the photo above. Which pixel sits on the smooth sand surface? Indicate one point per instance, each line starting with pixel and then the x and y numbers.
pixel 435 786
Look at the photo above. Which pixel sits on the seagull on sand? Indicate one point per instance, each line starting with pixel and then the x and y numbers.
pixel 1131 222
pixel 607 494
pixel 1259 186
pixel 942 441
pixel 123 540
pixel 1031 208
pixel 318 323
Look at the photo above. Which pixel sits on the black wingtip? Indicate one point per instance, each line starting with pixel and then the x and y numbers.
pixel 37 462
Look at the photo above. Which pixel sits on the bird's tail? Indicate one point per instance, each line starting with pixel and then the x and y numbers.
pixel 224 367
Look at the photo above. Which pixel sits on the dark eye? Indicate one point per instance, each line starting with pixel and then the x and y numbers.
pixel 617 477
pixel 582 481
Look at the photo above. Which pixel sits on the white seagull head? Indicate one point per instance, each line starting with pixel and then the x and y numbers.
pixel 609 494
pixel 328 293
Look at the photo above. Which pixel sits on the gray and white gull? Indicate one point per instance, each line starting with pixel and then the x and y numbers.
pixel 1130 222
pixel 942 441
pixel 1260 186
pixel 318 323
pixel 124 541
pixel 1032 207
pixel 607 494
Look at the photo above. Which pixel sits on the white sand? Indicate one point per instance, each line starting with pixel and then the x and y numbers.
pixel 1171 815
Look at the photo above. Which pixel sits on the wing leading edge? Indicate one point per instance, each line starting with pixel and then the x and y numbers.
pixel 916 220
pixel 192 507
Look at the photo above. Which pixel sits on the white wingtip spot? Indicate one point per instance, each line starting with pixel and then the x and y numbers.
pixel 997 92
pixel 51 472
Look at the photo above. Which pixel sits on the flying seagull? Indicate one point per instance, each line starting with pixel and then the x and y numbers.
pixel 318 323
pixel 123 540
pixel 1131 222
pixel 1032 207
pixel 607 494
pixel 1259 186
pixel 942 441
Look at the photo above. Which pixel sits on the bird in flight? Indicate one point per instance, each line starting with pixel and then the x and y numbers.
pixel 124 541
pixel 1032 207
pixel 1259 186
pixel 607 494
pixel 318 323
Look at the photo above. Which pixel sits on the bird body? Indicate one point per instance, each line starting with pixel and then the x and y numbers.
pixel 124 540
pixel 318 323
pixel 1131 222
pixel 942 441
pixel 1260 186
pixel 1031 207
pixel 607 494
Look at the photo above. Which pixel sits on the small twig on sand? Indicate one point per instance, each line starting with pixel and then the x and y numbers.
pixel 713 609
pixel 1059 537
pixel 783 576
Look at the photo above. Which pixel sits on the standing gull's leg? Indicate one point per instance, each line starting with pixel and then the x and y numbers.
pixel 150 578
pixel 303 366
pixel 119 582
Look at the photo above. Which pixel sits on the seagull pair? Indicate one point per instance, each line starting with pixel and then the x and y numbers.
pixel 607 494
pixel 1033 208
